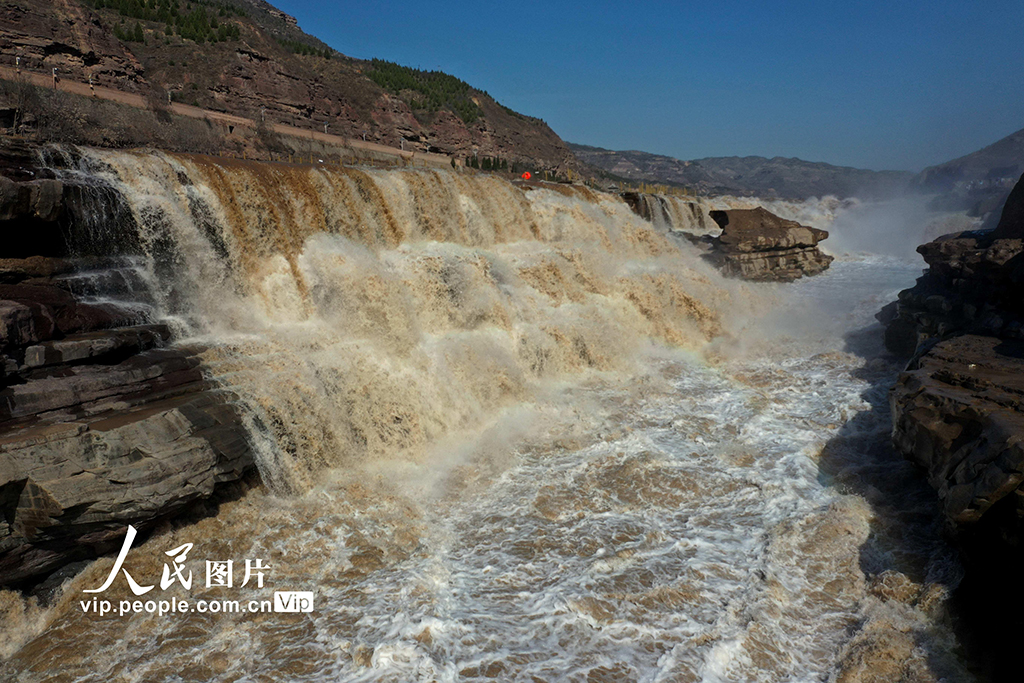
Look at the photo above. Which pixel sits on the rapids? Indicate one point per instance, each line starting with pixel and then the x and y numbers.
pixel 514 435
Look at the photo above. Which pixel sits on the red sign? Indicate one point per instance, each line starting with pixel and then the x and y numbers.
pixel 526 175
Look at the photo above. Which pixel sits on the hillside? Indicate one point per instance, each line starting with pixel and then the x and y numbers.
pixel 999 164
pixel 246 58
pixel 978 182
pixel 779 177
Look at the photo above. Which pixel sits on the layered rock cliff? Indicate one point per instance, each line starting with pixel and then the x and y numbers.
pixel 104 421
pixel 958 408
pixel 958 412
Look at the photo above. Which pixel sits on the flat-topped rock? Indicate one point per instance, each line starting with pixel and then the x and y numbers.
pixel 68 490
pixel 757 229
pixel 755 244
pixel 96 346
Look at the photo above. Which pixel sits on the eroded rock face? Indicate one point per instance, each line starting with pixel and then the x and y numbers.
pixel 957 409
pixel 103 422
pixel 69 36
pixel 755 244
pixel 959 413
pixel 973 284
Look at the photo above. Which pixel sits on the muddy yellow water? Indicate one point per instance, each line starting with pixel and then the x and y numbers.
pixel 511 435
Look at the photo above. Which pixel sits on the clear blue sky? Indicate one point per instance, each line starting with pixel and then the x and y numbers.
pixel 875 84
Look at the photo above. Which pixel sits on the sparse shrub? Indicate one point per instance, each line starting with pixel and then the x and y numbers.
pixel 61 117
pixel 266 137
pixel 23 98
pixel 434 90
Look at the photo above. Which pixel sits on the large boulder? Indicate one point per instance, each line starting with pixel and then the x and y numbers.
pixel 748 230
pixel 755 244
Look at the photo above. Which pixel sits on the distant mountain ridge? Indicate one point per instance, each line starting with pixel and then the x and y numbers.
pixel 781 177
pixel 1000 163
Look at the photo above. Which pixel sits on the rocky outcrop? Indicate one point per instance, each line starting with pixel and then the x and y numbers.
pixel 68 36
pixel 973 285
pixel 755 244
pixel 958 409
pixel 104 422
pixel 958 412
pixel 752 244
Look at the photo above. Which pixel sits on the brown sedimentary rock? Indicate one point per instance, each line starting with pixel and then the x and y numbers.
pixel 103 422
pixel 957 409
pixel 973 284
pixel 959 413
pixel 755 244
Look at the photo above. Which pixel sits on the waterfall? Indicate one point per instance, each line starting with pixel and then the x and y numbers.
pixel 516 432
pixel 363 314
pixel 669 213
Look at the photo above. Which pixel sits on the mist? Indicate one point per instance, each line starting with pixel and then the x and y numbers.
pixel 893 227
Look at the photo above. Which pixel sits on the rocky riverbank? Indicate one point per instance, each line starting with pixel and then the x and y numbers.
pixel 958 408
pixel 104 420
pixel 958 412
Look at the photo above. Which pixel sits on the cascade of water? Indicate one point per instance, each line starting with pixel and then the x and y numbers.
pixel 362 313
pixel 510 469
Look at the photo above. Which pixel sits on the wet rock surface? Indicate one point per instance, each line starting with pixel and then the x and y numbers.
pixel 959 413
pixel 103 421
pixel 972 285
pixel 957 408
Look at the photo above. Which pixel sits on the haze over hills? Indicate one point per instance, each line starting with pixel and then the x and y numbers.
pixel 245 57
pixel 779 177
pixel 978 182
pixel 1001 163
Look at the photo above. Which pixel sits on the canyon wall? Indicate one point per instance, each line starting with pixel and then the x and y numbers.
pixel 958 412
